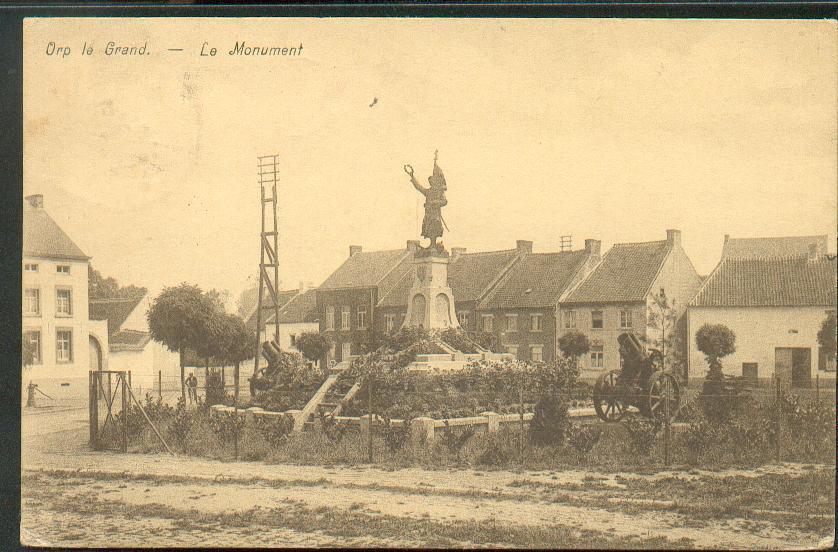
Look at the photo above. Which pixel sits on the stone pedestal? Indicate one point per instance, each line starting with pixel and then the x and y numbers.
pixel 430 304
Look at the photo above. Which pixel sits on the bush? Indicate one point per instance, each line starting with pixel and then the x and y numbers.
pixel 395 437
pixel 550 421
pixel 642 434
pixel 583 437
pixel 215 393
pixel 458 340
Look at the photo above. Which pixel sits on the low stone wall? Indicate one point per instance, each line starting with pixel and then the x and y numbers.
pixel 423 429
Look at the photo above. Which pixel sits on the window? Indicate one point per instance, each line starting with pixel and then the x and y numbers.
pixel 597 357
pixel 30 267
pixel 750 371
pixel 389 322
pixel 537 353
pixel 536 322
pixel 64 346
pixel 33 339
pixel 32 301
pixel 625 318
pixel 293 340
pixel 62 269
pixel 488 323
pixel 569 319
pixel 362 317
pixel 344 318
pixel 512 322
pixel 330 317
pixel 464 318
pixel 63 302
pixel 596 320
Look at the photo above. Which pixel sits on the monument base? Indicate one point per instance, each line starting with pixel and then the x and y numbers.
pixel 430 304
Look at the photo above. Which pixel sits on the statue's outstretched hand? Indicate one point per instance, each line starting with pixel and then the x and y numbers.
pixel 408 169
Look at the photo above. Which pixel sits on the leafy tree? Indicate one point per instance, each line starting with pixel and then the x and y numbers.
pixel 827 335
pixel 99 287
pixel 313 345
pixel 178 319
pixel 247 300
pixel 667 335
pixel 716 341
pixel 574 344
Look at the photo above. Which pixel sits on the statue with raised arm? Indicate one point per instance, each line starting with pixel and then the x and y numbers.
pixel 432 223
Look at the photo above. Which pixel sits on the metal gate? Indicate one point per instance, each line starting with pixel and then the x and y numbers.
pixel 109 404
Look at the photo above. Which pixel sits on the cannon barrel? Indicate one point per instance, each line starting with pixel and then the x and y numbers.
pixel 271 352
pixel 630 348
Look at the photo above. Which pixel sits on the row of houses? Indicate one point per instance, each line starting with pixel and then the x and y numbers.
pixel 774 293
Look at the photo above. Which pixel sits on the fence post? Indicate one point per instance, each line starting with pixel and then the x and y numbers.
pixel 817 388
pixel 236 411
pixel 160 384
pixel 369 403
pixel 124 413
pixel 778 414
pixel 521 414
pixel 91 401
pixel 668 424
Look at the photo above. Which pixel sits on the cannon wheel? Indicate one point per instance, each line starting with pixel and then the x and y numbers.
pixel 663 389
pixel 609 404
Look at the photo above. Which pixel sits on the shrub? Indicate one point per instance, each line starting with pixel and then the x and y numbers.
pixel 550 421
pixel 453 440
pixel 216 394
pixel 292 383
pixel 395 437
pixel 583 437
pixel 458 339
pixel 642 434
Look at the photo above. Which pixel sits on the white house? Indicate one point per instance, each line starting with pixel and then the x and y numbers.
pixel 774 297
pixel 55 322
pixel 131 346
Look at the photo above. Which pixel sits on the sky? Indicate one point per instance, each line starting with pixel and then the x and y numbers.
pixel 607 129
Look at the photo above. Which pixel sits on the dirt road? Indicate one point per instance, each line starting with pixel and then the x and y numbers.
pixel 115 499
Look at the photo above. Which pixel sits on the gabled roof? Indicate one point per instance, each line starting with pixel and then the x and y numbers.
pixel 115 311
pixel 128 340
pixel 469 277
pixel 537 280
pixel 302 308
pixel 42 237
pixel 625 274
pixel 774 282
pixel 365 269
pixel 267 305
pixel 761 248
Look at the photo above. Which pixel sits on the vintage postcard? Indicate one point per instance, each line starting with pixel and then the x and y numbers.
pixel 362 282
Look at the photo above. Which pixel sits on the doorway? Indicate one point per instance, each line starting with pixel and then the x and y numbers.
pixel 95 354
pixel 345 350
pixel 793 366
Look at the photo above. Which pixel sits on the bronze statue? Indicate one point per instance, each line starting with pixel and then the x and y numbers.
pixel 433 223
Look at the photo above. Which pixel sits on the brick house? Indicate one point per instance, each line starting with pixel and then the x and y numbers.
pixel 471 276
pixel 297 314
pixel 774 294
pixel 346 302
pixel 614 298
pixel 522 309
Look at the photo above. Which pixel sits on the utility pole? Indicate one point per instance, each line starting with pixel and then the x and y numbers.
pixel 269 246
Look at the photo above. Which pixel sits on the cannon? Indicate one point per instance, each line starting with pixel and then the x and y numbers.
pixel 262 380
pixel 642 383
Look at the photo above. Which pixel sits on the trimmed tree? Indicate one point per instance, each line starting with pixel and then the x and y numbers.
pixel 827 336
pixel 573 345
pixel 313 345
pixel 716 341
pixel 178 318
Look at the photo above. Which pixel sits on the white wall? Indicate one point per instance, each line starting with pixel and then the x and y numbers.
pixel 47 280
pixel 286 331
pixel 759 330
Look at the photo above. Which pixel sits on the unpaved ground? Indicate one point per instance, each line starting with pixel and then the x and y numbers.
pixel 72 497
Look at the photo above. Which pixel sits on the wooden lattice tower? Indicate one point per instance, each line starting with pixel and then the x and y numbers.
pixel 269 245
pixel 566 243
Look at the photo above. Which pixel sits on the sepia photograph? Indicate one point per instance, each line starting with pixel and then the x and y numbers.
pixel 428 283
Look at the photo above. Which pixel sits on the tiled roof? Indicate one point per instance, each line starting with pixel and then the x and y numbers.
pixel 302 308
pixel 364 269
pixel 267 305
pixel 761 248
pixel 42 237
pixel 115 311
pixel 128 340
pixel 469 277
pixel 775 282
pixel 537 280
pixel 625 274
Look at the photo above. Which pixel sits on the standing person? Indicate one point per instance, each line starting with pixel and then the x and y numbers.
pixel 192 387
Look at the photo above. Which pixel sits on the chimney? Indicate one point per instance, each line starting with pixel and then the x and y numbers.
pixel 413 245
pixel 456 252
pixel 673 237
pixel 523 246
pixel 353 249
pixel 593 247
pixel 36 200
pixel 815 252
